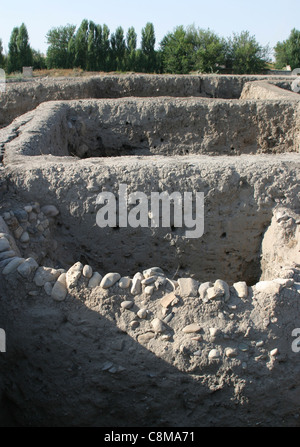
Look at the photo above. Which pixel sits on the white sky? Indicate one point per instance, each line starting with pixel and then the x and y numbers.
pixel 269 21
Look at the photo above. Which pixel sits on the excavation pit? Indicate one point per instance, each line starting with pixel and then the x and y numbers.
pixel 73 151
pixel 99 355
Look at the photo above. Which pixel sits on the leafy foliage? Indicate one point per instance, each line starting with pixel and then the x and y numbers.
pixel 288 51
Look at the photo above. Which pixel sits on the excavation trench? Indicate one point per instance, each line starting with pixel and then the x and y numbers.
pixel 73 151
pixel 66 360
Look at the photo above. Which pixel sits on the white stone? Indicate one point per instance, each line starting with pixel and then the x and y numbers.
pixel 230 352
pixel 95 280
pixel 109 280
pixel 203 289
pixel 158 325
pixel 188 287
pixel 149 290
pixel 213 293
pixel 87 271
pixel 214 354
pixel 127 304
pixel 223 286
pixel 284 282
pixel 73 275
pixel 274 352
pixel 60 291
pixel 142 313
pixel 241 289
pixel 153 271
pixel 191 328
pixel 125 282
pixel 270 287
pixel 136 287
pixel 45 274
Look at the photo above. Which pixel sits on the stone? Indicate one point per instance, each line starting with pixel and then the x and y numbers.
pixel 21 215
pixel 153 271
pixel 188 287
pixel 230 352
pixel 284 282
pixel 12 266
pixel 7 254
pixel 274 352
pixel 50 211
pixel 145 338
pixel 4 245
pixel 203 289
pixel 149 290
pixel 48 288
pixel 191 328
pixel 136 287
pixel 109 280
pixel 18 232
pixel 27 267
pixel 125 282
pixel 148 281
pixel 241 289
pixel 268 287
pixel 142 314
pixel 213 332
pixel 134 324
pixel 127 304
pixel 73 275
pixel 214 354
pixel 167 300
pixel 28 209
pixel 223 286
pixel 25 237
pixel 45 274
pixel 213 293
pixel 95 281
pixel 158 326
pixel 60 291
pixel 87 271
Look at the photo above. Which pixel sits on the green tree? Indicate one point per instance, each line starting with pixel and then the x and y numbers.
pixel 288 51
pixel 13 53
pixel 245 55
pixel 131 54
pixel 2 58
pixel 61 50
pixel 39 60
pixel 208 48
pixel 24 50
pixel 148 48
pixel 177 52
pixel 81 45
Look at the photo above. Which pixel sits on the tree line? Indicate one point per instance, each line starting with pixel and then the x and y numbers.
pixel 92 47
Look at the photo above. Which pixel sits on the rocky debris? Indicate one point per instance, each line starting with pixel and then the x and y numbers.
pixel 45 274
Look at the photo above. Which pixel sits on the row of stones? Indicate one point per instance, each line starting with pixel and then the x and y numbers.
pixel 148 281
pixel 30 220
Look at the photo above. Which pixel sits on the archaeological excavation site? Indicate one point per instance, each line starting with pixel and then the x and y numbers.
pixel 141 325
